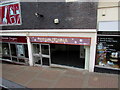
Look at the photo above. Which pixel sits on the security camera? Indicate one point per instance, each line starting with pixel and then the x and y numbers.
pixel 37 14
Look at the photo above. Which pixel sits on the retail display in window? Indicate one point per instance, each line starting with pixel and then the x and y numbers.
pixel 108 52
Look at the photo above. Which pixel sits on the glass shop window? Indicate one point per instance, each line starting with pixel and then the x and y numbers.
pixel 36 48
pixel 26 50
pixel 5 49
pixel 20 50
pixel 0 48
pixel 13 49
pixel 22 60
pixel 14 59
pixel 45 49
pixel 108 52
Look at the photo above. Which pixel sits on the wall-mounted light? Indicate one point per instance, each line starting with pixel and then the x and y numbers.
pixel 56 21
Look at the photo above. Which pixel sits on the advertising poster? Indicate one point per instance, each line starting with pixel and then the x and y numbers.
pixel 20 50
pixel 10 13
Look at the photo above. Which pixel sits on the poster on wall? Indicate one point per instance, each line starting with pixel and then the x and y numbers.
pixel 10 13
pixel 20 50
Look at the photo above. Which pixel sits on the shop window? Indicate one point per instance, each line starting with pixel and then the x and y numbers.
pixel 108 52
pixel 36 48
pixel 22 60
pixel 13 49
pixel 26 50
pixel 37 60
pixel 20 50
pixel 5 49
pixel 45 61
pixel 14 59
pixel 0 50
pixel 6 57
pixel 45 49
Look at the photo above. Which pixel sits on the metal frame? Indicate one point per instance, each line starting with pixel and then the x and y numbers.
pixel 9 52
pixel 43 55
pixel 11 56
pixel 49 55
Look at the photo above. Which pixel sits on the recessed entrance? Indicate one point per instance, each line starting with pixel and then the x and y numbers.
pixel 59 54
pixel 68 55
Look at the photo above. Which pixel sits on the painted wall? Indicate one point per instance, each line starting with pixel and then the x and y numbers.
pixel 108 16
pixel 108 11
pixel 111 14
pixel 77 15
pixel 108 3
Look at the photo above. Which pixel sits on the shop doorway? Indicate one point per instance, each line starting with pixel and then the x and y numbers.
pixel 41 54
pixel 58 54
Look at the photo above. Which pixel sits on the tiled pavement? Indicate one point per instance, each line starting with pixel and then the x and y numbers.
pixel 46 77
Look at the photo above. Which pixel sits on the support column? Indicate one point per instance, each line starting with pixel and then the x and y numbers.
pixel 87 57
pixel 30 52
pixel 92 53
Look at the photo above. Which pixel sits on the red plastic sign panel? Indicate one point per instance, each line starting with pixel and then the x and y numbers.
pixel 16 39
pixel 10 13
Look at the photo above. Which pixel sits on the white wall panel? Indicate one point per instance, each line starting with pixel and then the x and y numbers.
pixel 109 26
pixel 108 14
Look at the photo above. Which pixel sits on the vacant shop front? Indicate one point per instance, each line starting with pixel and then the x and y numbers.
pixel 73 48
pixel 63 51
pixel 14 49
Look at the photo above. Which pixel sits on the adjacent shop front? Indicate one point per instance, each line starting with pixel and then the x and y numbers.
pixel 14 49
pixel 108 52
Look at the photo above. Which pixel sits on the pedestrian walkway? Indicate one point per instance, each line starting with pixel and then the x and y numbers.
pixel 49 77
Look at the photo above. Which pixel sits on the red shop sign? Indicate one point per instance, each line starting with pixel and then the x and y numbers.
pixel 16 39
pixel 63 40
pixel 10 13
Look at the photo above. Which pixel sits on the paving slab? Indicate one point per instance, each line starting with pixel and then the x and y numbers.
pixel 49 77
pixel 37 83
pixel 69 82
pixel 9 85
pixel 103 81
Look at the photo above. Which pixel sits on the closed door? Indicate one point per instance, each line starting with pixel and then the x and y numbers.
pixel 41 54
